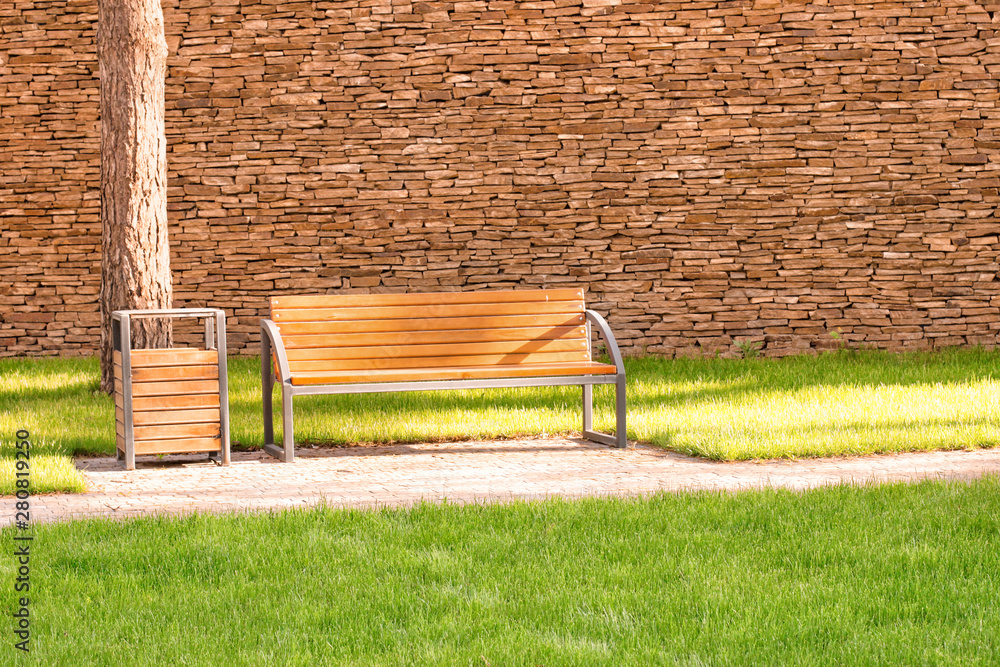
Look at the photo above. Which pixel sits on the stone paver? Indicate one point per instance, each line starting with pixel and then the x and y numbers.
pixel 459 472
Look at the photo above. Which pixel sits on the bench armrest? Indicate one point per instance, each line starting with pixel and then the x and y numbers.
pixel 270 342
pixel 609 339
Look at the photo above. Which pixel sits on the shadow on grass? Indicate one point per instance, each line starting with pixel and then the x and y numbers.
pixel 71 390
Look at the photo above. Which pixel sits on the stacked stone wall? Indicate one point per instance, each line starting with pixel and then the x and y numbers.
pixel 798 174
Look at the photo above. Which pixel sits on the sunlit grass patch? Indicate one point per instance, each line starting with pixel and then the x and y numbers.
pixel 848 403
pixel 48 473
pixel 59 403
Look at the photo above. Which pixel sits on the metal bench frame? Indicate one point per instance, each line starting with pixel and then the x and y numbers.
pixel 270 339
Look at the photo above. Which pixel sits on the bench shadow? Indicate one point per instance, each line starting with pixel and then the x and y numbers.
pixel 432 448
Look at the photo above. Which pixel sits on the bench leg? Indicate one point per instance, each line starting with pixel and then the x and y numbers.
pixel 287 425
pixel 619 438
pixel 268 419
pixel 266 385
pixel 620 428
pixel 286 452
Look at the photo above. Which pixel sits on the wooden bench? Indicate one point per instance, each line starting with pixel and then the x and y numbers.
pixel 361 343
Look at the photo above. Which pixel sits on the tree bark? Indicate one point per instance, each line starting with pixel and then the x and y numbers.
pixel 135 261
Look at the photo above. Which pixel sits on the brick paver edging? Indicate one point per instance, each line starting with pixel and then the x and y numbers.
pixel 459 472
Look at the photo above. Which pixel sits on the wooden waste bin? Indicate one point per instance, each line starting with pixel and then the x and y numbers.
pixel 174 400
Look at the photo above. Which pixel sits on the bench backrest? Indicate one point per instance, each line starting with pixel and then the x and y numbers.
pixel 431 330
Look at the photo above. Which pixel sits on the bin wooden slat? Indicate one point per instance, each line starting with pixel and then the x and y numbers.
pixel 161 373
pixel 154 417
pixel 174 431
pixel 142 389
pixel 177 446
pixel 146 403
pixel 177 356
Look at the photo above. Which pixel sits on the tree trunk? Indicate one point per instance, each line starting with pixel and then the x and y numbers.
pixel 135 261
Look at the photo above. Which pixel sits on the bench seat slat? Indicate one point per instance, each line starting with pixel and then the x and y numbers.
pixel 296 341
pixel 453 373
pixel 423 312
pixel 578 345
pixel 424 299
pixel 443 361
pixel 418 324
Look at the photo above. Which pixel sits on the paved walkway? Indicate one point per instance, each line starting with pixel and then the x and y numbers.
pixel 459 472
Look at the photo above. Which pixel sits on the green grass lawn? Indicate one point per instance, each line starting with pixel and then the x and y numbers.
pixel 728 409
pixel 899 574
